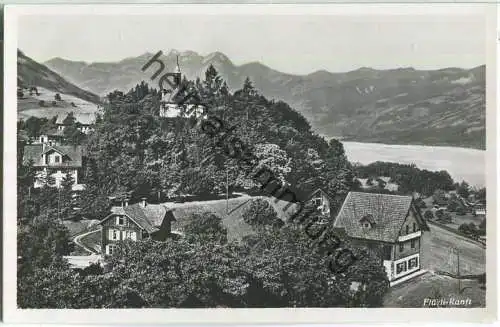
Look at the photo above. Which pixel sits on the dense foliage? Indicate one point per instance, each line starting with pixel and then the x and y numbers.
pixel 133 152
pixel 408 177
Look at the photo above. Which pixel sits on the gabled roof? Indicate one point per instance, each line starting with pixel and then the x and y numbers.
pixel 388 212
pixel 33 152
pixel 49 148
pixel 84 118
pixel 150 218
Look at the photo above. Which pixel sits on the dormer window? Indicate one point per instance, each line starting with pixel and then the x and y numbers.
pixel 367 221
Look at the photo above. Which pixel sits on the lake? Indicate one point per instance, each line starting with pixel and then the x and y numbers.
pixel 461 163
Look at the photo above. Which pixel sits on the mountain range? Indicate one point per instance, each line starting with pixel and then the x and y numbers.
pixel 401 105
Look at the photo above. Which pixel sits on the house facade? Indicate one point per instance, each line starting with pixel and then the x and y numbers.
pixel 53 162
pixel 53 137
pixel 321 201
pixel 85 121
pixel 135 222
pixel 389 226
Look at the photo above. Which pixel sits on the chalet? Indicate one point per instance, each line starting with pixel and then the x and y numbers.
pixel 321 200
pixel 52 137
pixel 85 121
pixel 387 225
pixel 53 161
pixel 135 222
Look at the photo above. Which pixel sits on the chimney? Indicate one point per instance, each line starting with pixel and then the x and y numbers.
pixel 143 202
pixel 126 202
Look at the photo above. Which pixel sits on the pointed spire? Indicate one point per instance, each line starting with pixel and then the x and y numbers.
pixel 177 68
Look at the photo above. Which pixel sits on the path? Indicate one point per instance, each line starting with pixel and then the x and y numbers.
pixel 79 237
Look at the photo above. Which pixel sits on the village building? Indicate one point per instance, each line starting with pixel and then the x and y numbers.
pixel 135 222
pixel 53 162
pixel 85 121
pixel 52 137
pixel 321 201
pixel 389 226
pixel 170 98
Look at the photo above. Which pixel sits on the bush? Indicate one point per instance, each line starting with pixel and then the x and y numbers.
pixel 54 104
pixel 41 103
pixel 57 97
pixel 439 214
pixel 428 215
pixel 261 213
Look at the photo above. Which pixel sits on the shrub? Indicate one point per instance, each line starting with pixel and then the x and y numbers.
pixel 57 97
pixel 428 215
pixel 261 213
pixel 439 213
pixel 54 104
pixel 41 103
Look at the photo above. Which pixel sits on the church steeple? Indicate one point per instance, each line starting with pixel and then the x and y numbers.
pixel 178 75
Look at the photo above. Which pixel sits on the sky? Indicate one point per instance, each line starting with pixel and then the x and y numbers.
pixel 295 44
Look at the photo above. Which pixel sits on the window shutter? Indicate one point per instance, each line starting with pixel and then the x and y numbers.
pixel 133 236
pixel 117 220
pixel 110 234
pixel 124 235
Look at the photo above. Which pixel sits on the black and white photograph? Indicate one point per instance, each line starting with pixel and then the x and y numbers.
pixel 248 157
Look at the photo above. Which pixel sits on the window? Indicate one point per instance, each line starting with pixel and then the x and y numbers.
pixel 114 235
pixel 129 235
pixel 414 227
pixel 407 229
pixel 413 263
pixel 57 159
pixel 400 267
pixel 413 243
pixel 367 225
pixel 110 248
pixel 120 220
pixel 401 247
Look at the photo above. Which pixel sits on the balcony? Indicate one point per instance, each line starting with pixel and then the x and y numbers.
pixel 409 236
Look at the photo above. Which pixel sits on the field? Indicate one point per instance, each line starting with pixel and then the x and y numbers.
pixel 29 105
pixel 437 256
pixel 460 163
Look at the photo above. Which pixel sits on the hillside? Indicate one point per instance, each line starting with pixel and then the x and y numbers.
pixel 42 103
pixel 404 105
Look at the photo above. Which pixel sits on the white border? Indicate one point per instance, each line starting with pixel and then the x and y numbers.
pixel 234 316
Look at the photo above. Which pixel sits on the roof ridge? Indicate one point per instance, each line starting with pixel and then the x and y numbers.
pixel 394 195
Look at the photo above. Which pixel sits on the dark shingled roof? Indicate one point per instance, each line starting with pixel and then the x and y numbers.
pixel 150 217
pixel 34 152
pixel 387 211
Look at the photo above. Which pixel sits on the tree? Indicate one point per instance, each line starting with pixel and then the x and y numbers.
pixel 428 215
pixel 260 213
pixel 206 226
pixel 463 190
pixel 57 97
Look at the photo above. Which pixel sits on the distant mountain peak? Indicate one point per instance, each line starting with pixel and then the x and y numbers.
pixel 216 56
